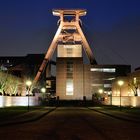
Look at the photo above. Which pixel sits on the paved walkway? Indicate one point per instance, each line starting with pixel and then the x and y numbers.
pixel 73 123
pixel 39 113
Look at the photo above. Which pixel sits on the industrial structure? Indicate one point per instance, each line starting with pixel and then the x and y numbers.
pixel 69 32
pixel 74 79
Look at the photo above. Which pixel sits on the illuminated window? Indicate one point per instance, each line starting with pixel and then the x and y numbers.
pixel 96 69
pixel 69 81
pixel 107 85
pixel 69 69
pixel 109 70
pixel 69 51
pixel 8 61
pixel 69 87
pixel 111 78
pixel 96 85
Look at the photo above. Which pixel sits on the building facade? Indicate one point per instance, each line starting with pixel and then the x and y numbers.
pixel 76 80
pixel 131 86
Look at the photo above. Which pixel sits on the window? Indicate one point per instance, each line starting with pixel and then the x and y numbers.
pixel 96 69
pixel 69 75
pixel 69 87
pixel 107 85
pixel 96 85
pixel 7 61
pixel 69 81
pixel 69 52
pixel 111 78
pixel 69 69
pixel 109 70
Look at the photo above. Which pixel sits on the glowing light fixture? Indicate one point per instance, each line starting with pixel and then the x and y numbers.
pixel 120 82
pixel 100 91
pixel 43 90
pixel 28 84
pixel 135 80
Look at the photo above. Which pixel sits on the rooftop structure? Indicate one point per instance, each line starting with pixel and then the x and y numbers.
pixel 69 12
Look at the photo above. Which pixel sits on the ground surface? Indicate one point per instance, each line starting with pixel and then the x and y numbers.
pixel 72 123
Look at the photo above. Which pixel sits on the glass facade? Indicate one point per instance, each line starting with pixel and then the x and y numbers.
pixel 69 87
pixel 108 70
pixel 69 51
pixel 102 78
pixel 69 78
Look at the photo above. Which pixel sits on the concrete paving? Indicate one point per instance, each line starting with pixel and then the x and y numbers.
pixel 72 123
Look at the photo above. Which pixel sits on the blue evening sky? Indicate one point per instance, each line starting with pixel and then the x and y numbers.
pixel 112 27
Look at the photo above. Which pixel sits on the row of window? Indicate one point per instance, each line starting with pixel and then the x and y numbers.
pixel 69 69
pixel 69 81
pixel 104 85
pixel 5 61
pixel 109 70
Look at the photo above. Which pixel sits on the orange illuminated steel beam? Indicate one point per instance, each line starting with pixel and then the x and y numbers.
pixel 49 54
pixel 62 35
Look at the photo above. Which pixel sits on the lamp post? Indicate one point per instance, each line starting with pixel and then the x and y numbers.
pixel 110 94
pixel 28 84
pixel 100 91
pixel 43 90
pixel 120 83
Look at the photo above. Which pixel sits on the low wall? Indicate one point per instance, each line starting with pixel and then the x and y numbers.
pixel 125 101
pixel 7 101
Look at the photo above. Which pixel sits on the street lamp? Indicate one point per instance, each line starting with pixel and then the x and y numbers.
pixel 43 90
pixel 28 84
pixel 120 83
pixel 100 91
pixel 110 94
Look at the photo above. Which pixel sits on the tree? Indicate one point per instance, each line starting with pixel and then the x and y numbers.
pixel 13 84
pixel 9 83
pixel 3 81
pixel 134 85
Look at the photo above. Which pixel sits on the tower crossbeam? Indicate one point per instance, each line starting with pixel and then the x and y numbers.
pixel 69 21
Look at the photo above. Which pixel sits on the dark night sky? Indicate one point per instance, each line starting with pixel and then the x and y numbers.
pixel 112 27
